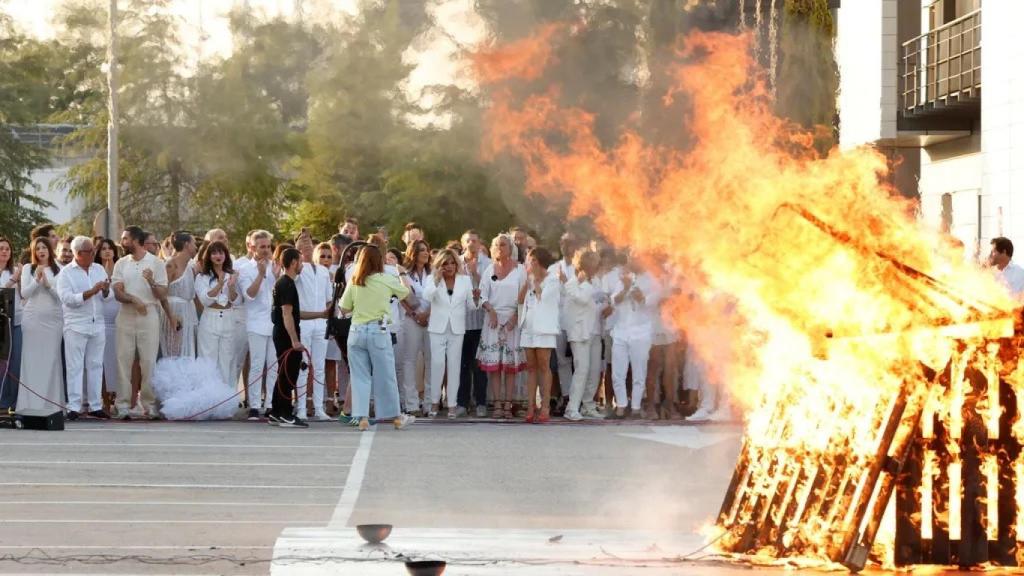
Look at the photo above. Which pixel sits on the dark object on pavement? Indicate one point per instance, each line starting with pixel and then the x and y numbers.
pixel 374 533
pixel 426 567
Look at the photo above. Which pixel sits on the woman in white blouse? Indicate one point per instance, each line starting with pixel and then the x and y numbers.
pixel 584 306
pixel 450 295
pixel 43 328
pixel 106 255
pixel 10 277
pixel 539 297
pixel 218 291
pixel 499 354
pixel 413 339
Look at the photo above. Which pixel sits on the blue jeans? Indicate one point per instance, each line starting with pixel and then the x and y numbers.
pixel 9 386
pixel 371 361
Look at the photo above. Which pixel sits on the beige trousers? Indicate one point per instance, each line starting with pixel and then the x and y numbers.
pixel 136 334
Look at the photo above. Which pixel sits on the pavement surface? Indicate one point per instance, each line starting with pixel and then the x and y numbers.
pixel 246 498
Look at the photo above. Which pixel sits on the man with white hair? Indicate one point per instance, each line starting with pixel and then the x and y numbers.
pixel 81 285
pixel 216 235
pixel 256 281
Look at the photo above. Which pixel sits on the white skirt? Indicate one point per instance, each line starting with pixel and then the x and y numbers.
pixel 534 340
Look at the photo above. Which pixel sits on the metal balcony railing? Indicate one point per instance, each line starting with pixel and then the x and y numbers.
pixel 943 67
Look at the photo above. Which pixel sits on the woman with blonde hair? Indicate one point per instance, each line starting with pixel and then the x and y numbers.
pixel 370 354
pixel 499 353
pixel 450 296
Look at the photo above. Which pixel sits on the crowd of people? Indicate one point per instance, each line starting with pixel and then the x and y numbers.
pixel 347 327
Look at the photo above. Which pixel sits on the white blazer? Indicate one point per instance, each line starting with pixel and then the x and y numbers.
pixel 545 308
pixel 580 310
pixel 448 310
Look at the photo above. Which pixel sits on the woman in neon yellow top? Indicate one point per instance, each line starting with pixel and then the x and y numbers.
pixel 370 355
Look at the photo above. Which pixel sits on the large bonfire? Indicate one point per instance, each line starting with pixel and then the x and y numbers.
pixel 844 327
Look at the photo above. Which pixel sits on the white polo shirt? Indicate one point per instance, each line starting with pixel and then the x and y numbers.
pixel 128 271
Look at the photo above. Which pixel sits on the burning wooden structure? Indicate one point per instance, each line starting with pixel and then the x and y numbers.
pixel 944 447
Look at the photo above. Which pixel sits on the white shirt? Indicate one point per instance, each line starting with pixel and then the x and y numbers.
pixel 419 286
pixel 128 271
pixel 570 272
pixel 207 282
pixel 1013 278
pixel 475 316
pixel 5 277
pixel 606 284
pixel 81 315
pixel 257 310
pixel 315 291
pixel 502 294
pixel 635 319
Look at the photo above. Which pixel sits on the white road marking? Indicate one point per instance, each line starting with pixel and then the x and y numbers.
pixel 185 486
pixel 354 482
pixel 152 521
pixel 682 436
pixel 203 464
pixel 194 429
pixel 208 547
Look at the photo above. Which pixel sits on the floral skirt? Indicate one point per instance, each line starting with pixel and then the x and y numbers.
pixel 499 349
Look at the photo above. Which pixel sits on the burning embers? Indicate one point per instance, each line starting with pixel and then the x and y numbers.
pixel 875 364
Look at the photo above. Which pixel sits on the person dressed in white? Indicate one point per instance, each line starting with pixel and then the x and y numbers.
pixel 315 291
pixel 473 380
pixel 82 286
pixel 179 334
pixel 256 283
pixel 449 293
pixel 1010 274
pixel 568 245
pixel 43 327
pixel 500 355
pixel 583 305
pixel 415 340
pixel 539 297
pixel 217 290
pixel 106 256
pixel 636 301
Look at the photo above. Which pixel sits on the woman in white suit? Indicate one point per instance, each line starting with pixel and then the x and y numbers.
pixel 450 295
pixel 539 298
pixel 584 305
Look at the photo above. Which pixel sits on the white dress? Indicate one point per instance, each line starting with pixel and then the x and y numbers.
pixel 43 329
pixel 110 309
pixel 499 349
pixel 179 296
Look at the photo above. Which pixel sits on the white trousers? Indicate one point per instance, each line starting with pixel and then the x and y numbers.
pixel 415 341
pixel 110 359
pixel 586 360
pixel 312 333
pixel 630 351
pixel 217 340
pixel 445 349
pixel 262 370
pixel 241 346
pixel 565 363
pixel 84 357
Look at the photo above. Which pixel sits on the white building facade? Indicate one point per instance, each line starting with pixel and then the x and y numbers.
pixel 938 86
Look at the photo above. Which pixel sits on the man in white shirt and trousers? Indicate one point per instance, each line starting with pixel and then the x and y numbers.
pixel 256 281
pixel 315 292
pixel 82 284
pixel 568 245
pixel 1011 274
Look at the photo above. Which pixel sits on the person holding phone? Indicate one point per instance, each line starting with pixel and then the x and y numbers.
pixel 81 285
pixel 218 292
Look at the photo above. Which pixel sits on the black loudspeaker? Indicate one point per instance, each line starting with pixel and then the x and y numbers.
pixel 39 420
pixel 6 321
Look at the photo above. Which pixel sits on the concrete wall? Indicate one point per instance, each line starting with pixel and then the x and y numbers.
pixel 1002 116
pixel 954 168
pixel 867 51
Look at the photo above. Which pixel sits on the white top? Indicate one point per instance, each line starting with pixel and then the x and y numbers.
pixel 570 273
pixel 315 291
pixel 418 284
pixel 502 294
pixel 81 315
pixel 1013 278
pixel 257 310
pixel 128 271
pixel 207 282
pixel 635 319
pixel 583 302
pixel 606 283
pixel 5 277
pixel 540 314
pixel 30 289
pixel 449 309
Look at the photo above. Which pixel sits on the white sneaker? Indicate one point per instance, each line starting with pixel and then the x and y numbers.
pixel 321 416
pixel 592 413
pixel 481 411
pixel 404 421
pixel 573 416
pixel 701 415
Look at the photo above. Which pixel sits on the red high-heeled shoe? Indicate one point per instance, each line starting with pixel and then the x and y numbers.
pixel 544 418
pixel 529 416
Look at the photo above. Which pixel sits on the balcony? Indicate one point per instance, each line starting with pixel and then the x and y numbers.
pixel 941 72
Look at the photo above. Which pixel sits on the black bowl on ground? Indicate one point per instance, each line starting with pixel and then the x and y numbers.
pixel 374 533
pixel 426 567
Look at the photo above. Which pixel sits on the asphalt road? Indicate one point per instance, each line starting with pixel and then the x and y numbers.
pixel 217 498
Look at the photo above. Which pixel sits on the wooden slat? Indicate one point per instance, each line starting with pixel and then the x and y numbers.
pixel 973 546
pixel 908 509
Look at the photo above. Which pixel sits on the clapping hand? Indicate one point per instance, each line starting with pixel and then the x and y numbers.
pixel 561 275
pixel 232 280
pixel 147 275
pixel 261 267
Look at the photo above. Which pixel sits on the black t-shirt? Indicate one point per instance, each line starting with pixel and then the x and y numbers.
pixel 285 293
